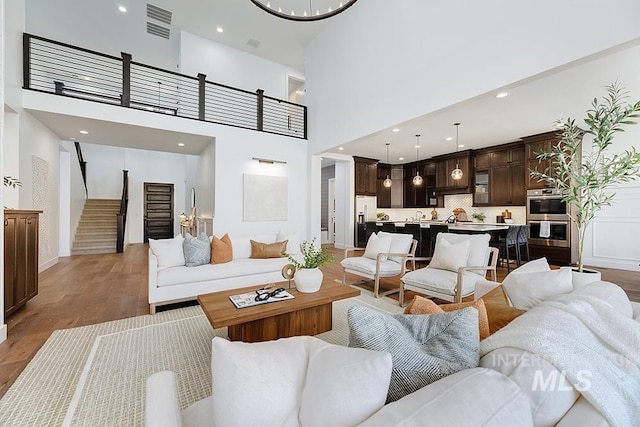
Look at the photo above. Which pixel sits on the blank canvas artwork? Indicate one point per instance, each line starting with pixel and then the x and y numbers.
pixel 265 198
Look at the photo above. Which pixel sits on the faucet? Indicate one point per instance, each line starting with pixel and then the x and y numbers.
pixel 419 216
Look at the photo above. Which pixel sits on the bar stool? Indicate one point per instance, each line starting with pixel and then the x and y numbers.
pixel 435 229
pixel 508 242
pixel 370 227
pixel 523 239
pixel 416 231
pixel 389 227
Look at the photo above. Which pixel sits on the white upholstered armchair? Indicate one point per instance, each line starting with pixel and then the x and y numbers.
pixel 386 255
pixel 458 262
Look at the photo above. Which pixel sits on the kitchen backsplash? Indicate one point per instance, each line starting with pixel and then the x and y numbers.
pixel 465 201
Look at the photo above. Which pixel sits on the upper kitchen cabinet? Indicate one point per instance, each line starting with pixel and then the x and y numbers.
pixel 499 174
pixel 383 193
pixel 534 144
pixel 445 165
pixel 366 176
pixel 415 196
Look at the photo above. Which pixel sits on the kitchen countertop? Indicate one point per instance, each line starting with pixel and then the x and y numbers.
pixel 470 226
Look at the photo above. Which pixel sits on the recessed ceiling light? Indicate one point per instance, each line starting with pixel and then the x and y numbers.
pixel 73 138
pixel 449 138
pixel 400 158
pixel 502 95
pixel 84 132
pixel 122 9
pixel 395 130
pixel 180 144
pixel 340 148
pixel 461 146
pixel 416 146
pixel 220 29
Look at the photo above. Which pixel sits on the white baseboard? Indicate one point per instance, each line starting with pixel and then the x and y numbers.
pixel 339 246
pixel 42 267
pixel 3 333
pixel 610 263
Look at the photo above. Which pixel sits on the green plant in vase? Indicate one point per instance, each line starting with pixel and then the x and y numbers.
pixel 308 277
pixel 479 216
pixel 585 178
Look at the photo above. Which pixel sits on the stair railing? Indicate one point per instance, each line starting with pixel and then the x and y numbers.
pixel 83 167
pixel 122 215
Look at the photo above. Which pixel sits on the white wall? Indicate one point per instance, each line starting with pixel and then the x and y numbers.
pixel 234 150
pixel 72 196
pixel 10 157
pixel 39 145
pixel 205 183
pixel 232 67
pixel 104 170
pixel 388 62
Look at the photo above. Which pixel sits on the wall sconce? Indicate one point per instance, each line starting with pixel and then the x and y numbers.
pixel 268 161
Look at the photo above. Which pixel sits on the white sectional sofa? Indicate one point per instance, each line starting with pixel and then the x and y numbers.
pixel 180 283
pixel 498 393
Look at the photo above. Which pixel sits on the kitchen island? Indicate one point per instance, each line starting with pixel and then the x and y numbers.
pixel 424 239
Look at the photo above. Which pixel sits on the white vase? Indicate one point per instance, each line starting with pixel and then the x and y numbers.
pixel 308 280
pixel 580 279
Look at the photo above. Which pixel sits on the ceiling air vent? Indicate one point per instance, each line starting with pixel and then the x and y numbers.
pixel 158 30
pixel 159 14
pixel 253 43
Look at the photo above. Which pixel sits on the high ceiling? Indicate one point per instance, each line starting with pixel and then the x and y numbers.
pixel 531 107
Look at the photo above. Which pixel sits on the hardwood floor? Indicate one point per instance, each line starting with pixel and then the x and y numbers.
pixel 88 289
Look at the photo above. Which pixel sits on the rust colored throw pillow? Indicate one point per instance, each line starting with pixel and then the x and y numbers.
pixel 499 311
pixel 221 250
pixel 422 305
pixel 268 250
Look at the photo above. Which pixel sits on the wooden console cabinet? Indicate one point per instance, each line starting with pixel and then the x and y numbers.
pixel 20 258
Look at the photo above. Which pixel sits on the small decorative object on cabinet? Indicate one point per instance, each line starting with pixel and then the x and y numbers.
pixel 20 258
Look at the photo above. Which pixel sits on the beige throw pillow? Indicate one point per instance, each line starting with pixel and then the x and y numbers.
pixel 267 250
pixel 221 250
pixel 450 257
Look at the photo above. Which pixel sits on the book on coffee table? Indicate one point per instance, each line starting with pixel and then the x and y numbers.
pixel 249 299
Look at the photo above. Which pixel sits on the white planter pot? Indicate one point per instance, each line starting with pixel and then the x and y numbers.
pixel 308 280
pixel 583 278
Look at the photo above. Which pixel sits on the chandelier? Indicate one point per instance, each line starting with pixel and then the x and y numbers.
pixel 304 10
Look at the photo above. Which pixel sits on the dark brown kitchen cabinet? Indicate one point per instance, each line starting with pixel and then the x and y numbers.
pixel 20 258
pixel 534 144
pixel 366 176
pixel 383 193
pixel 507 177
pixel 444 181
pixel 415 196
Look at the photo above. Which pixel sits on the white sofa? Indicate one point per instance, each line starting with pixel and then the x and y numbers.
pixel 495 394
pixel 180 283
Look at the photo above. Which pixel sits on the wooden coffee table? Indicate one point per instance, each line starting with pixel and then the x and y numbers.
pixel 306 314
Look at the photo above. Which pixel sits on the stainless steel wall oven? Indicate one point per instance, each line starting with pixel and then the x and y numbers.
pixel 547 216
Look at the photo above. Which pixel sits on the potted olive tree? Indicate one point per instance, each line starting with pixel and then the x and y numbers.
pixel 586 177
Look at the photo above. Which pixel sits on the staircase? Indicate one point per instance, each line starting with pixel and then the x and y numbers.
pixel 96 233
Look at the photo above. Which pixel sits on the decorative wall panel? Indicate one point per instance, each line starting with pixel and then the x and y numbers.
pixel 40 200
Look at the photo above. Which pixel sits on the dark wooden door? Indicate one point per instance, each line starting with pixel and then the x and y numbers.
pixel 158 211
pixel 10 263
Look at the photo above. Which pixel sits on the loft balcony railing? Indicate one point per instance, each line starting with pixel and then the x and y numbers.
pixel 62 69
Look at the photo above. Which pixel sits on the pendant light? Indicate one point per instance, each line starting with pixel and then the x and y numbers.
pixel 457 172
pixel 417 180
pixel 387 182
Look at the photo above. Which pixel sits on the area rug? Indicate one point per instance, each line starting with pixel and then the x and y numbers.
pixel 95 375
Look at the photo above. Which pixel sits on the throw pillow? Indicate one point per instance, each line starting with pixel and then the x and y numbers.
pixel 536 266
pixel 267 250
pixel 400 244
pixel 423 348
pixel 449 256
pixel 293 245
pixel 296 381
pixel 499 311
pixel 221 250
pixel 526 290
pixel 168 251
pixel 422 305
pixel 197 251
pixel 377 245
pixel 478 246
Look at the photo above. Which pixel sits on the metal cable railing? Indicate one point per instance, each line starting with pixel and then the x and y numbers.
pixel 67 70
